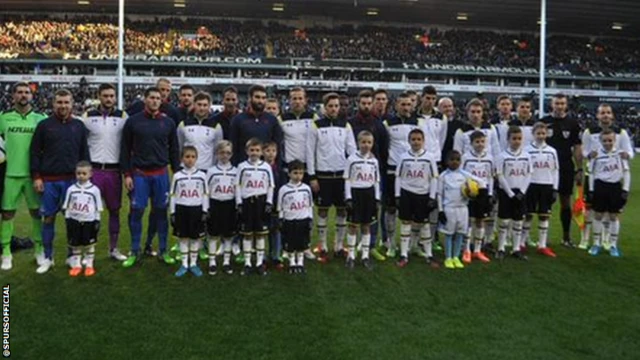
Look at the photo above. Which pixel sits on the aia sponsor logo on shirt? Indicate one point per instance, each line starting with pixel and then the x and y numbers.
pixel 611 167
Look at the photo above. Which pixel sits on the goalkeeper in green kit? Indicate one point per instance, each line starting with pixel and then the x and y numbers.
pixel 17 126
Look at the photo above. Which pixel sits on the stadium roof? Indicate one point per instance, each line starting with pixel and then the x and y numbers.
pixel 592 17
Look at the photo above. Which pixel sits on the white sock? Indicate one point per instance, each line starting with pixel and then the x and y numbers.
pixel 467 239
pixel 193 252
pixel 300 256
pixel 351 246
pixel 489 228
pixel 597 232
pixel 478 237
pixel 213 246
pixel 503 228
pixel 183 244
pixel 76 257
pixel 366 240
pixel 415 236
pixel 426 239
pixel 322 232
pixel 341 231
pixel 543 233
pixel 390 221
pixel 526 230
pixel 292 258
pixel 405 235
pixel 605 230
pixel 226 259
pixel 260 250
pixel 614 231
pixel 89 255
pixel 247 244
pixel 516 229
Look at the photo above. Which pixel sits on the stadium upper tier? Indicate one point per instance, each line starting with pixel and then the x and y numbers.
pixel 265 39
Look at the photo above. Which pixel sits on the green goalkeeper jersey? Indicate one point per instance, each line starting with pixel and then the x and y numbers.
pixel 17 130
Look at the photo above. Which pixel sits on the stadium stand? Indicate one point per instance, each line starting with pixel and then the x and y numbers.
pixel 199 36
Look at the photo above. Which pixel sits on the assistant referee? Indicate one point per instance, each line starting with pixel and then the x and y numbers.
pixel 564 135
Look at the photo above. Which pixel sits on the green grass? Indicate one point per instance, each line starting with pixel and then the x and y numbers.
pixel 572 307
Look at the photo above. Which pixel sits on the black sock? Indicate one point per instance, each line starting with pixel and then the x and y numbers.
pixel 565 218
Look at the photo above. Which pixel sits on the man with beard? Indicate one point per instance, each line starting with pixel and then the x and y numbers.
pixel 16 128
pixel 149 144
pixel 590 146
pixel 59 143
pixel 564 135
pixel 230 102
pixel 186 93
pixel 104 126
pixel 365 120
pixel 254 123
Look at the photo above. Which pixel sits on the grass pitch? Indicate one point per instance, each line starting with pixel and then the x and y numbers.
pixel 572 307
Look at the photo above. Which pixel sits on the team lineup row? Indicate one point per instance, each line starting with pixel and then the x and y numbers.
pixel 397 162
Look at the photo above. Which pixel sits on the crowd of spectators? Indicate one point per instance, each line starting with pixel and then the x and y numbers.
pixel 85 97
pixel 202 36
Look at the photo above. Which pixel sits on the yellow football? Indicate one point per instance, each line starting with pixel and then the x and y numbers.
pixel 470 189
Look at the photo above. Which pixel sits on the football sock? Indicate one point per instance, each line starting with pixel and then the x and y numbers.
pixel 76 257
pixel 605 229
pixel 373 230
pixel 114 228
pixel 478 237
pixel 152 229
pixel 341 230
pixel 226 258
pixel 503 228
pixel 597 232
pixel 426 239
pixel 213 247
pixel 184 252
pixel 565 219
pixel 516 230
pixel 36 233
pixel 351 246
pixel 405 235
pixel 48 231
pixel 415 236
pixel 489 228
pixel 259 250
pixel 322 232
pixel 448 246
pixel 543 233
pixel 366 241
pixel 247 243
pixel 194 247
pixel 163 229
pixel 614 231
pixel 526 230
pixel 468 237
pixel 7 233
pixel 390 222
pixel 300 256
pixel 89 255
pixel 135 227
pixel 292 259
